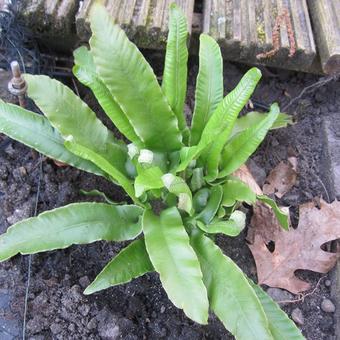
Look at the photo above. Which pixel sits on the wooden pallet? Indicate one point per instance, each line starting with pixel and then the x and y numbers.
pixel 246 30
pixel 326 22
pixel 145 21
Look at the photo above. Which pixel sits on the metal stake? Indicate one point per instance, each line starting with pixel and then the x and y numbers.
pixel 17 85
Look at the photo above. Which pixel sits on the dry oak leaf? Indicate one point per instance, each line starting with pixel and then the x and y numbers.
pixel 264 222
pixel 299 248
pixel 282 178
pixel 245 176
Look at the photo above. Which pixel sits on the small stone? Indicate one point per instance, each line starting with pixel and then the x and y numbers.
pixel 162 309
pixel 258 172
pixel 55 328
pixel 84 310
pixel 327 306
pixel 3 172
pixel 92 324
pixel 297 316
pixel 328 283
pixel 84 281
pixel 72 328
pixel 279 295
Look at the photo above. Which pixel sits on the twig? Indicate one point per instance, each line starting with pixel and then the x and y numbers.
pixel 310 88
pixel 303 296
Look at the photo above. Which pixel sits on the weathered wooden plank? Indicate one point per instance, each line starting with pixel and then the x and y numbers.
pixel 272 32
pixel 145 21
pixel 55 16
pixel 326 23
pixel 51 20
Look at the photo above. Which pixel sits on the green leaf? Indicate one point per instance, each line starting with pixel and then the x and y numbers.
pixel 73 118
pixel 187 154
pixel 222 121
pixel 150 178
pixel 132 83
pixel 245 143
pixel 280 325
pixel 95 192
pixel 281 216
pixel 36 132
pixel 85 71
pixel 174 84
pixel 231 227
pixel 230 295
pixel 173 258
pixel 209 85
pixel 215 198
pixel 132 262
pixel 254 118
pixel 77 223
pixel 235 190
pixel 197 179
pixel 103 164
pixel 177 186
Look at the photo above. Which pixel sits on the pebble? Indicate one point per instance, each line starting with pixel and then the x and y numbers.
pixel 297 316
pixel 327 306
pixel 257 171
pixel 328 283
pixel 84 281
pixel 92 324
pixel 278 294
pixel 162 309
pixel 55 328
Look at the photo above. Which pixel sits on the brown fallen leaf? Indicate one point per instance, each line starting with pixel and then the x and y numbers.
pixel 299 248
pixel 282 178
pixel 245 176
pixel 263 222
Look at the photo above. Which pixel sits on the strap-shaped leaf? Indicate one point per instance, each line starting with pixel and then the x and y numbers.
pixel 222 121
pixel 231 297
pixel 197 179
pixel 85 70
pixel 280 325
pixel 74 119
pixel 96 193
pixel 103 164
pixel 76 223
pixel 209 85
pixel 215 198
pixel 235 190
pixel 132 262
pixel 253 118
pixel 245 143
pixel 150 178
pixel 231 227
pixel 174 84
pixel 281 216
pixel 131 81
pixel 173 258
pixel 36 132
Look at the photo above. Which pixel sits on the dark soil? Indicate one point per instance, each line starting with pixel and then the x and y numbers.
pixel 57 309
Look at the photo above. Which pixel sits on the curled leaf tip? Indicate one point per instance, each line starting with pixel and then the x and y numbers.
pixel 145 156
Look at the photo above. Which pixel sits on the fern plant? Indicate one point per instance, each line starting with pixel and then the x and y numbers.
pixel 179 179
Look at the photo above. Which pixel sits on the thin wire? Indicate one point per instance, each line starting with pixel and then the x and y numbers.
pixel 28 282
